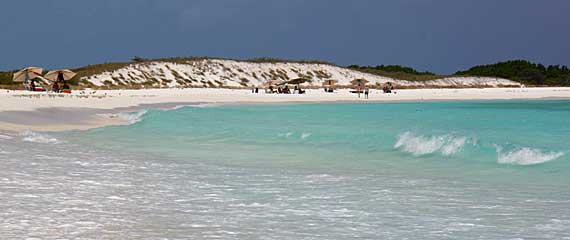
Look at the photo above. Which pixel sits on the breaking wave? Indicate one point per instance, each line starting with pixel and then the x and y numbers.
pixel 421 145
pixel 132 117
pixel 525 156
pixel 287 134
pixel 305 135
pixel 302 136
pixel 30 136
pixel 203 105
pixel 173 108
pixel 448 145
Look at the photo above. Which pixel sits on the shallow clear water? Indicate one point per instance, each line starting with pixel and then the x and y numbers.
pixel 459 170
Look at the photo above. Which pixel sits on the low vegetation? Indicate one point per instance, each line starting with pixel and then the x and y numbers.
pixel 91 70
pixel 524 72
pixel 398 72
pixel 392 68
pixel 6 78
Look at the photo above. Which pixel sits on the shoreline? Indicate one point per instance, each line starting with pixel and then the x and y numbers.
pixel 83 110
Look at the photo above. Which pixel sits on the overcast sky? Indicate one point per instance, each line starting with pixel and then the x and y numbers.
pixel 442 36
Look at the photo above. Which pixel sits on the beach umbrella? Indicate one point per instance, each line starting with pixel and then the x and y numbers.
pixel 27 74
pixel 359 82
pixel 272 83
pixel 60 75
pixel 328 83
pixel 296 81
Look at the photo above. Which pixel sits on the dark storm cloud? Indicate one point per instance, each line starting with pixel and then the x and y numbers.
pixel 438 35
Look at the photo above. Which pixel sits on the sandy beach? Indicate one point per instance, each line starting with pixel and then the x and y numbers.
pixel 21 110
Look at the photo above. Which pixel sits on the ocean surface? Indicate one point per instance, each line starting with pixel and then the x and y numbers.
pixel 429 170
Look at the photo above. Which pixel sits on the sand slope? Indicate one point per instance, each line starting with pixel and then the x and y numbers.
pixel 229 73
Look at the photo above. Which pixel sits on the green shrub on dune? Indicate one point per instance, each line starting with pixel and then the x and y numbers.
pixel 523 71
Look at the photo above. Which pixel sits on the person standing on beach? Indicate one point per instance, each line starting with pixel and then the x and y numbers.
pixel 60 77
pixel 366 91
pixel 32 85
pixel 55 87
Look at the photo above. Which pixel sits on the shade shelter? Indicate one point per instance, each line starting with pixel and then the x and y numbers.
pixel 359 84
pixel 269 85
pixel 272 83
pixel 60 75
pixel 330 82
pixel 296 81
pixel 27 74
pixel 329 85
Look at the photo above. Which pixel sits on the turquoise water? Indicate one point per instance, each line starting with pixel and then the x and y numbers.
pixel 431 170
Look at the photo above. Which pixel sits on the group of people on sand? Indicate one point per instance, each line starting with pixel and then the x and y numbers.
pixel 388 88
pixel 59 87
pixel 286 90
pixel 32 87
pixel 56 87
pixel 366 92
pixel 35 86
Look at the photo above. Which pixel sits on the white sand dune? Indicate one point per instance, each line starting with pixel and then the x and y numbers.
pixel 229 73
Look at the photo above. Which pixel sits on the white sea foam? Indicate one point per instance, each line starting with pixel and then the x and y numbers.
pixel 421 145
pixel 116 198
pixel 30 136
pixel 305 135
pixel 525 156
pixel 174 108
pixel 132 117
pixel 454 145
pixel 287 134
pixel 203 105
